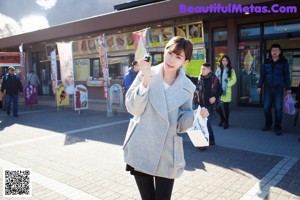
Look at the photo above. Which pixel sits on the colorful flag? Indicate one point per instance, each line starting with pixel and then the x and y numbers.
pixel 22 63
pixel 66 66
pixel 140 44
pixel 53 71
pixel 103 59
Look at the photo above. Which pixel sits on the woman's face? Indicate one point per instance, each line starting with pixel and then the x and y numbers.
pixel 224 62
pixel 172 61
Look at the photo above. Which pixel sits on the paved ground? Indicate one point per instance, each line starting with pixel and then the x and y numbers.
pixel 80 156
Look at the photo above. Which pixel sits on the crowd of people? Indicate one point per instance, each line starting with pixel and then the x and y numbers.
pixel 162 100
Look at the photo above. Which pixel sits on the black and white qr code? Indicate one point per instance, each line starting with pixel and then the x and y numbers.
pixel 17 183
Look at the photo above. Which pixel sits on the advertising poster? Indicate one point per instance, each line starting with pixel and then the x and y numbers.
pixel 62 99
pixel 155 38
pixel 82 69
pixel 219 53
pixel 181 31
pixel 194 66
pixel 130 40
pixel 196 33
pixel 166 34
pixel 53 71
pixel 66 66
pixel 140 44
pixel 121 43
pixel 31 94
pixel 81 97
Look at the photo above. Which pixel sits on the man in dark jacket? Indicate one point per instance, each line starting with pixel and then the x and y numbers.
pixel 12 85
pixel 275 76
pixel 207 94
pixel 131 74
pixel 129 78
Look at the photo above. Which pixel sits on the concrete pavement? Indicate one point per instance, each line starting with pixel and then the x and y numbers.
pixel 80 156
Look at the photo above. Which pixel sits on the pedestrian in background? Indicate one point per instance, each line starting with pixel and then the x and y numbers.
pixel 129 78
pixel 2 101
pixel 12 85
pixel 130 75
pixel 207 94
pixel 160 99
pixel 275 76
pixel 33 79
pixel 227 78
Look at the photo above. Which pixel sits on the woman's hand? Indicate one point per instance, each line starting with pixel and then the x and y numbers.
pixel 204 113
pixel 145 68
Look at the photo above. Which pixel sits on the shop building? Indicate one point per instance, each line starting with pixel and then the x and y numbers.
pixel 244 37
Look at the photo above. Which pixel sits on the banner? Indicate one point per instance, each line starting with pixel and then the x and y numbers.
pixel 31 94
pixel 81 97
pixel 22 63
pixel 66 66
pixel 103 59
pixel 140 44
pixel 62 99
pixel 53 71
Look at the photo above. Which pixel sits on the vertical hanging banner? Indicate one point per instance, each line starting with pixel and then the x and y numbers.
pixel 103 59
pixel 22 63
pixel 53 71
pixel 81 97
pixel 66 66
pixel 140 44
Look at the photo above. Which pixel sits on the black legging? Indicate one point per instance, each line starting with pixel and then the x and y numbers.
pixel 226 110
pixel 160 190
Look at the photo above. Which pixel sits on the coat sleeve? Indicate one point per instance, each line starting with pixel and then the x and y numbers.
pixel 20 87
pixel 262 76
pixel 232 80
pixel 134 102
pixel 186 116
pixel 3 85
pixel 287 80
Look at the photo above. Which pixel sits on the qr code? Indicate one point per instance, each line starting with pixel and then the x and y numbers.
pixel 17 182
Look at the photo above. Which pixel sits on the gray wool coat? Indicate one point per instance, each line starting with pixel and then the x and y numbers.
pixel 152 144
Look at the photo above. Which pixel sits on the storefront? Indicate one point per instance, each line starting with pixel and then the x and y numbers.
pixel 254 43
pixel 245 38
pixel 10 59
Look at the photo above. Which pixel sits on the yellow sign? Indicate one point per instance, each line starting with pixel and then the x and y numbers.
pixel 62 99
pixel 194 66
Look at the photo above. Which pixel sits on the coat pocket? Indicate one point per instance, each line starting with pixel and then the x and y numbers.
pixel 131 127
pixel 179 161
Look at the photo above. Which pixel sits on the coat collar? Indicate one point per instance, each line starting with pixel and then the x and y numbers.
pixel 176 95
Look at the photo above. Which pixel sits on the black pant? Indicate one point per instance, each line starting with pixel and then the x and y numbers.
pixel 226 110
pixel 160 190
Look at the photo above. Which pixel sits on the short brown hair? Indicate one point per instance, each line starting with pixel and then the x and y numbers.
pixel 178 44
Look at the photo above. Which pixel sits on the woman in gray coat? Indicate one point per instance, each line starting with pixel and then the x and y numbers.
pixel 160 99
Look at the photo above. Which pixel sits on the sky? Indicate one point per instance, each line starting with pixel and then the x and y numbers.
pixel 19 16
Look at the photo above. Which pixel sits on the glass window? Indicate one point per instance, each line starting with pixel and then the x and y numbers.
pixel 250 30
pixel 249 68
pixel 281 27
pixel 95 68
pixel 82 69
pixel 220 35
